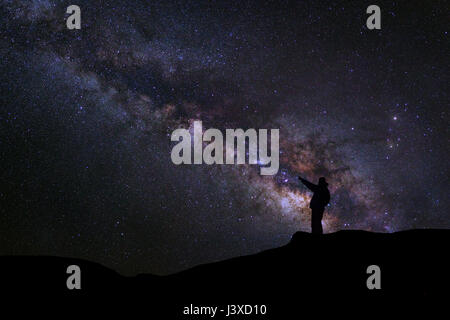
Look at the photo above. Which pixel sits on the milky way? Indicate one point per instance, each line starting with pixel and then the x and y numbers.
pixel 87 115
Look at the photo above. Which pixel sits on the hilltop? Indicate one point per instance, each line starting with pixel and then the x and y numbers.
pixel 309 269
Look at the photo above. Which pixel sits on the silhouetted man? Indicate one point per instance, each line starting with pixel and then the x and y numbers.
pixel 318 202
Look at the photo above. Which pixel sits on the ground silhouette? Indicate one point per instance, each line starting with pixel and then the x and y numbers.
pixel 309 270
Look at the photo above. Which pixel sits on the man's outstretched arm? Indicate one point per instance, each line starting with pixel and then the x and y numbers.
pixel 309 185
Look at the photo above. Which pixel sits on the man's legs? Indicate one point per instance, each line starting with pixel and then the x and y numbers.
pixel 316 220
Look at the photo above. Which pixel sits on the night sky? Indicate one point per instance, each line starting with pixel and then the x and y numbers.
pixel 86 117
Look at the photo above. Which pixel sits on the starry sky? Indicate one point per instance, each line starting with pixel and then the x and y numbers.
pixel 86 117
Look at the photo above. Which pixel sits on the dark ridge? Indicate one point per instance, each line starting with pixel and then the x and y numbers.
pixel 310 268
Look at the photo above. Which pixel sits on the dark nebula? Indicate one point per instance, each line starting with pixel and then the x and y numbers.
pixel 86 117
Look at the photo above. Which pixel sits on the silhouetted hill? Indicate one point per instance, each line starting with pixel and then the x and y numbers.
pixel 308 270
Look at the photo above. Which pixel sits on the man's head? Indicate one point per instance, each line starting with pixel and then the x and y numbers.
pixel 322 182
